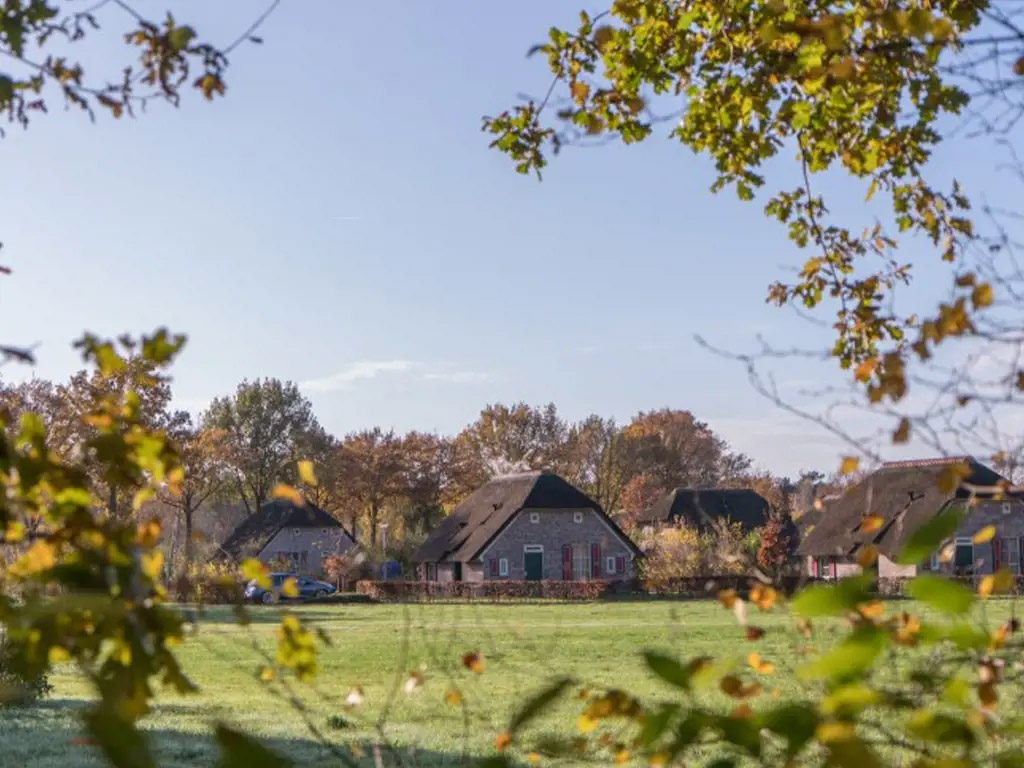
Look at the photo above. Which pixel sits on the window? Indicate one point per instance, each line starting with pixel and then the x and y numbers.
pixel 1007 508
pixel 581 562
pixel 609 565
pixel 933 563
pixel 963 558
pixel 535 517
pixel 1009 554
pixel 323 531
pixel 503 567
pixel 577 517
pixel 295 531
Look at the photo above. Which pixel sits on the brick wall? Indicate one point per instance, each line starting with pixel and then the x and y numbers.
pixel 555 528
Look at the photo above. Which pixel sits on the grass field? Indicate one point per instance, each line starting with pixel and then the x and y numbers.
pixel 375 647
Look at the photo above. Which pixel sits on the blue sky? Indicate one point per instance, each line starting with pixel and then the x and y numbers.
pixel 338 220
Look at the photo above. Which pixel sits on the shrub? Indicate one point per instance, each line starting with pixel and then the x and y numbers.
pixel 211 584
pixel 20 685
pixel 415 591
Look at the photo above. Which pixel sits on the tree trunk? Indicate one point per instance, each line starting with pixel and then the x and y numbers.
pixel 112 502
pixel 187 512
pixel 373 524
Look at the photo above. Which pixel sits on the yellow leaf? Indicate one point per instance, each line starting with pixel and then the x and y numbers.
pixel 871 523
pixel 622 756
pixel 453 698
pixel 868 556
pixel 267 674
pixel 981 296
pixel 306 473
pixel 759 665
pixel 827 732
pixel 502 740
pixel 985 534
pixel 580 91
pixel 254 570
pixel 290 588
pixel 585 724
pixel 864 370
pixel 763 596
pixel 533 758
pixel 951 476
pixel 148 534
pixel 727 597
pixel 151 563
pixel 58 653
pixel 873 610
pixel 282 491
pixel 849 465
pixel 985 586
pixel 987 695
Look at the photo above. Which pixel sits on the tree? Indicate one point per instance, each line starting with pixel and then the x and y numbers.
pixel 265 425
pixel 201 456
pixel 597 459
pixel 427 467
pixel 856 88
pixel 675 449
pixel 516 438
pixel 372 465
pixel 638 496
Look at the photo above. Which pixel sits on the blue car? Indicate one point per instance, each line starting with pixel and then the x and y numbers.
pixel 308 589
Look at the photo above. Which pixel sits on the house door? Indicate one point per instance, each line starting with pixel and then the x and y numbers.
pixel 533 563
pixel 458 571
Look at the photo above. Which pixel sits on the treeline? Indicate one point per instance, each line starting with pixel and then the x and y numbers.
pixel 242 445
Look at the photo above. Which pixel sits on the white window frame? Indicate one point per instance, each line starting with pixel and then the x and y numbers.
pixel 533 548
pixel 535 517
pixel 577 517
pixel 1014 548
pixel 582 564
pixel 503 566
pixel 1007 507
pixel 964 541
pixel 295 531
pixel 609 564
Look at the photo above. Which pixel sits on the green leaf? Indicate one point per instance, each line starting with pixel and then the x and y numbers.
pixel 656 723
pixel 851 658
pixel 929 725
pixel 669 670
pixel 926 539
pixel 941 594
pixel 240 751
pixel 832 599
pixel 122 743
pixel 539 703
pixel 796 723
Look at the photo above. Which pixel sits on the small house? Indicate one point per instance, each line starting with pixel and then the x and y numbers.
pixel 300 535
pixel 899 498
pixel 528 526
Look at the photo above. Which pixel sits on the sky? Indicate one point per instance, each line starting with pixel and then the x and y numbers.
pixel 338 220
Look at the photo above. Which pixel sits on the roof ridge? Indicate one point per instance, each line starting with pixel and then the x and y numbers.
pixel 937 461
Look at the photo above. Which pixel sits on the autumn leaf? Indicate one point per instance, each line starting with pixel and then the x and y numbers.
pixel 254 570
pixel 502 740
pixel 413 682
pixel 986 586
pixel 763 596
pixel 759 665
pixel 753 633
pixel 984 535
pixel 290 588
pixel 868 556
pixel 902 433
pixel 871 523
pixel 727 597
pixel 849 465
pixel 474 662
pixel 306 473
pixel 288 493
pixel 453 698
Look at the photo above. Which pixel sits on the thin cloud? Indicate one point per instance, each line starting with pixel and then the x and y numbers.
pixel 358 371
pixel 371 369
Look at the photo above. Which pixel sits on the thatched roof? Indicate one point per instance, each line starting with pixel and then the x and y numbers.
pixel 905 494
pixel 473 524
pixel 253 533
pixel 702 508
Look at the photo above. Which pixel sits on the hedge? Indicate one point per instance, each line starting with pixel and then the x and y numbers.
pixel 414 591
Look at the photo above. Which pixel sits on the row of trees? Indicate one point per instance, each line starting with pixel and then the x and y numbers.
pixel 244 444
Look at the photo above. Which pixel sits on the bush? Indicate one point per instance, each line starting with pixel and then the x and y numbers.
pixel 20 685
pixel 211 584
pixel 415 591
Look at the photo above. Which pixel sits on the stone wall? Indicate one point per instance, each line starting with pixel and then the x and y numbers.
pixel 553 529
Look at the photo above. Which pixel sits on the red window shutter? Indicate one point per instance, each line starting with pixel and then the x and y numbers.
pixel 995 555
pixel 567 562
pixel 620 564
pixel 595 560
pixel 494 566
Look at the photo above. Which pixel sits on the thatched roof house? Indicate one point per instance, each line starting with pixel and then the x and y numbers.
pixel 905 495
pixel 528 525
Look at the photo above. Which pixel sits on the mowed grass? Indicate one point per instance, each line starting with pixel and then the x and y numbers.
pixel 377 646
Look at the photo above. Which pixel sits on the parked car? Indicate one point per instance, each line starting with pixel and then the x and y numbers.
pixel 308 588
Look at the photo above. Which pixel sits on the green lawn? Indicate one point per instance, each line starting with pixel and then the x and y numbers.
pixel 375 646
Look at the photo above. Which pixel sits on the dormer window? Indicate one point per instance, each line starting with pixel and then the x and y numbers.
pixel 577 517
